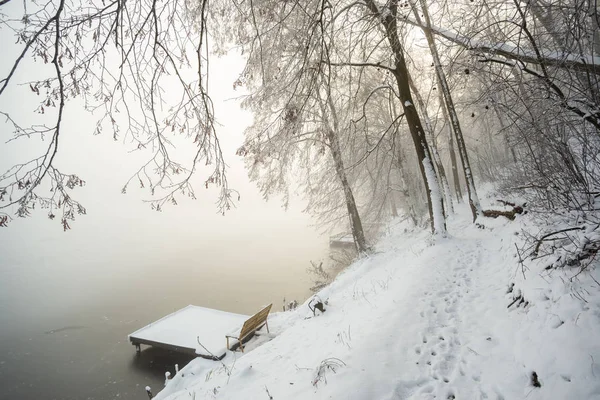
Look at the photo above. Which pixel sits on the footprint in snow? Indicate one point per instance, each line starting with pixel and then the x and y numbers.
pixel 406 389
pixel 426 389
pixel 446 366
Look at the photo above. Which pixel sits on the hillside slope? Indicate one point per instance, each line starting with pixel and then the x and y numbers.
pixel 421 320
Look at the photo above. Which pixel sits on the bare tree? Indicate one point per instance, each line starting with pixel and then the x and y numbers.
pixel 118 57
pixel 296 107
pixel 287 50
pixel 330 86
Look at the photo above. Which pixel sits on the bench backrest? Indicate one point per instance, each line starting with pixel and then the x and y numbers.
pixel 255 322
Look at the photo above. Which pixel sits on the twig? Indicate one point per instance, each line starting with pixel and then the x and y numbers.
pixel 546 236
pixel 268 394
pixel 227 369
pixel 520 261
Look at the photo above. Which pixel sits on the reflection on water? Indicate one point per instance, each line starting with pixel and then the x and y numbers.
pixel 155 362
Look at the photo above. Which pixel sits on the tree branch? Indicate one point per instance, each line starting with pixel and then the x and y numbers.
pixel 585 63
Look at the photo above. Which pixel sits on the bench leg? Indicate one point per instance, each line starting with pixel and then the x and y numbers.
pixel 138 348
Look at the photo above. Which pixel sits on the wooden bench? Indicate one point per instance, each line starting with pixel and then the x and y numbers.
pixel 251 325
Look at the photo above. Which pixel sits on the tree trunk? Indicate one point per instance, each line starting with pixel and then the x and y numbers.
pixel 334 145
pixel 435 202
pixel 393 207
pixel 355 222
pixel 453 160
pixel 462 149
pixel 508 149
pixel 434 152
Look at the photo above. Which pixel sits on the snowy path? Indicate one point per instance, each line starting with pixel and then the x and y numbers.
pixel 419 321
pixel 446 342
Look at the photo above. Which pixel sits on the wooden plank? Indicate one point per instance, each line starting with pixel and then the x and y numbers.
pixel 179 349
pixel 255 322
pixel 251 325
pixel 166 346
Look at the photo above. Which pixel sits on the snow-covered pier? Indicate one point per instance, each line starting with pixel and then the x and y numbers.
pixel 192 330
pixel 342 240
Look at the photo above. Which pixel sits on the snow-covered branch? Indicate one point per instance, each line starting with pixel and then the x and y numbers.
pixel 578 62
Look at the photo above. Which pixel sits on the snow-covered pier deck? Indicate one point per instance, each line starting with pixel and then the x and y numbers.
pixel 192 330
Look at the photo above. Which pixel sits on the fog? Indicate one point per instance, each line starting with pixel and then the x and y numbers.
pixel 68 299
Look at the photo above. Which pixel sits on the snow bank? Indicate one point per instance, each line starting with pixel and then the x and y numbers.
pixel 420 320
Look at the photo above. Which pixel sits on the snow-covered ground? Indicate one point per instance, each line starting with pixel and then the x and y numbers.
pixel 424 319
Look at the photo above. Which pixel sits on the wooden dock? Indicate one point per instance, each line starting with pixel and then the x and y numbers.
pixel 342 240
pixel 182 330
pixel 345 240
